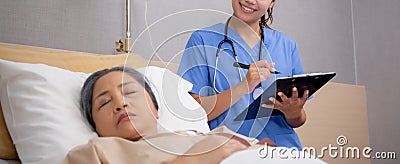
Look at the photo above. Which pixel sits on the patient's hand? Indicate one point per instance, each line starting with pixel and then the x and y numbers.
pixel 212 149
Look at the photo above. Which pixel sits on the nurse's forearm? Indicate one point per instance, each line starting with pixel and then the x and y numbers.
pixel 217 104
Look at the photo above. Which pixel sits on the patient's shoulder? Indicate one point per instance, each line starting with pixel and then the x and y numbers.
pixel 222 129
pixel 226 130
pixel 96 140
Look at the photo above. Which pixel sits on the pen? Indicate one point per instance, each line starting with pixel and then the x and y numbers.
pixel 245 66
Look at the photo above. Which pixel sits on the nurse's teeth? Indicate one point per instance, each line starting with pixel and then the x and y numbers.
pixel 247 9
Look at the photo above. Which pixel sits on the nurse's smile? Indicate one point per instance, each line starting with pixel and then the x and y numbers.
pixel 247 9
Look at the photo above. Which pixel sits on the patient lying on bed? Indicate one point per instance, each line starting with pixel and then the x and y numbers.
pixel 121 107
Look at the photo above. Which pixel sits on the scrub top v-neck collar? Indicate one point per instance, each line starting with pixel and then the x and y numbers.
pixel 238 40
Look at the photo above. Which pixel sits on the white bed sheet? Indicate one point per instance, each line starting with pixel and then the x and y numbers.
pixel 251 156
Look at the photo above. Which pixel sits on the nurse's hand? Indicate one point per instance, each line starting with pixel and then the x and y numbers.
pixel 258 72
pixel 291 107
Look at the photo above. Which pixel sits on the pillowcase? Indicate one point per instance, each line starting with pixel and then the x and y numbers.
pixel 70 60
pixel 41 108
pixel 177 108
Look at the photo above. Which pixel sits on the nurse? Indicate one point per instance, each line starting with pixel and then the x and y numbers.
pixel 225 91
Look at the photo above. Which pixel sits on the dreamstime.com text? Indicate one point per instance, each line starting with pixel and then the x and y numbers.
pixel 340 151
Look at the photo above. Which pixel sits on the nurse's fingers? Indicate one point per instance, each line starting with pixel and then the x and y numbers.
pixel 259 70
pixel 272 67
pixel 263 64
pixel 305 95
pixel 283 96
pixel 264 74
pixel 263 67
pixel 295 94
pixel 273 103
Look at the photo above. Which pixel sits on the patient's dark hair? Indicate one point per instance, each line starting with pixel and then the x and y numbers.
pixel 87 89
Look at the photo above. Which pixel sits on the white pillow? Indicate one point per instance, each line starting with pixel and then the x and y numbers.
pixel 41 109
pixel 177 109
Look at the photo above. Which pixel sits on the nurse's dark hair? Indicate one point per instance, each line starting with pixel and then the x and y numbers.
pixel 265 21
pixel 87 89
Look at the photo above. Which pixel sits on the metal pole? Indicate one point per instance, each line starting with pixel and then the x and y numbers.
pixel 119 44
pixel 128 18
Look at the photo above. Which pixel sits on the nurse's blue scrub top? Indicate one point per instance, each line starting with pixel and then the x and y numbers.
pixel 198 63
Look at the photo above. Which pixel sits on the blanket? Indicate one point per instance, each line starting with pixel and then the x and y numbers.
pixel 165 147
pixel 153 149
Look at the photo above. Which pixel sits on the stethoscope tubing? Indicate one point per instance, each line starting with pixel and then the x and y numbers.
pixel 230 42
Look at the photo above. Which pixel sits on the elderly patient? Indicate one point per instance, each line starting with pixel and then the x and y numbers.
pixel 121 107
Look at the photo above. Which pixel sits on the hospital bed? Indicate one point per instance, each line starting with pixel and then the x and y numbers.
pixel 336 110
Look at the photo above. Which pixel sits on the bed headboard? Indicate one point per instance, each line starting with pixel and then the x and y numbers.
pixel 337 111
pixel 70 60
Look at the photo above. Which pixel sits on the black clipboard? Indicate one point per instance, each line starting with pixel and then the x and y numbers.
pixel 311 82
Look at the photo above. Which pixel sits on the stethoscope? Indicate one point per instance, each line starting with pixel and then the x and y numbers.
pixel 258 91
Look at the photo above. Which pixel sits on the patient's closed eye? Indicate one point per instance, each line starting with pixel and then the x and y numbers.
pixel 104 102
pixel 129 90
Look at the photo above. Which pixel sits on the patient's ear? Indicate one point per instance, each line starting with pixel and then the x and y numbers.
pixel 155 113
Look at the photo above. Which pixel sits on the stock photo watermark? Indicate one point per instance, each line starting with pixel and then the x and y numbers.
pixel 341 151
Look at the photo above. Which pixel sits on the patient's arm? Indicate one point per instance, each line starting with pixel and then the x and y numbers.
pixel 212 149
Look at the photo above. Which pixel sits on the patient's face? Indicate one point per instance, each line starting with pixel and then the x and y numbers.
pixel 110 94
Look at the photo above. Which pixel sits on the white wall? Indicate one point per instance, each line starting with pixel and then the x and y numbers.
pixel 89 26
pixel 323 30
pixel 166 25
pixel 377 39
